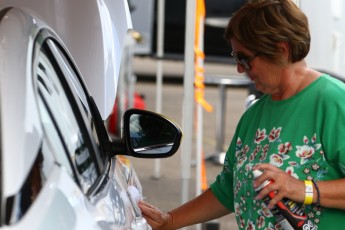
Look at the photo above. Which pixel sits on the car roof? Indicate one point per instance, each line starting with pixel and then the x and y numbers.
pixel 21 132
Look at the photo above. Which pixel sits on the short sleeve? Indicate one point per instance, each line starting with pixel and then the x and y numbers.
pixel 223 186
pixel 333 125
pixel 222 189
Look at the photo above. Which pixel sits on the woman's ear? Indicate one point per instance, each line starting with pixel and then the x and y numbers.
pixel 285 50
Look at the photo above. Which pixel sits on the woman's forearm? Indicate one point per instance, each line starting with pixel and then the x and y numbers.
pixel 332 193
pixel 199 210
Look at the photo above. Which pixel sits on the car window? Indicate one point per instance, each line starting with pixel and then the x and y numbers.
pixel 61 121
pixel 53 137
pixel 83 96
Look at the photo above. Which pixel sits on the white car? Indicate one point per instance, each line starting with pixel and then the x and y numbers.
pixel 58 167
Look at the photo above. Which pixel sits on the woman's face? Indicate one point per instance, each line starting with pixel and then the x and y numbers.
pixel 265 74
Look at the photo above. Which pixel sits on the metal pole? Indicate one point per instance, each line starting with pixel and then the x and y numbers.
pixel 199 154
pixel 187 110
pixel 159 79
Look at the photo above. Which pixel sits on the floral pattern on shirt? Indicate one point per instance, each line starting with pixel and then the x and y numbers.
pixel 303 161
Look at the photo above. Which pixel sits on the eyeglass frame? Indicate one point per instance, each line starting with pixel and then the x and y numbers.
pixel 243 60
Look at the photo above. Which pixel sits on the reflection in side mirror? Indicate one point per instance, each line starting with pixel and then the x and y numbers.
pixel 150 135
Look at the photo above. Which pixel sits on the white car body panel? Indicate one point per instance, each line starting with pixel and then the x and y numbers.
pixel 66 202
pixel 94 32
pixel 61 200
pixel 16 161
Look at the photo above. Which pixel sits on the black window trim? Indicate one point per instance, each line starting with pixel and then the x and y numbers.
pixel 75 106
pixel 88 98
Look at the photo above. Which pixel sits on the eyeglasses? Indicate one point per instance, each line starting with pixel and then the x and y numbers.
pixel 244 60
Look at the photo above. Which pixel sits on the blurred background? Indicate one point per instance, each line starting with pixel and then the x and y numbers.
pixel 218 12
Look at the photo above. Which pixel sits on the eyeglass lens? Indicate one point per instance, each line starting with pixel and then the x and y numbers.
pixel 243 60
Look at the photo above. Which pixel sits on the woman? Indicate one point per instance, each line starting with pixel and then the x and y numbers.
pixel 292 134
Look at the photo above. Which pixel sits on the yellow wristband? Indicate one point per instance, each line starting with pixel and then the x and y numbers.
pixel 308 199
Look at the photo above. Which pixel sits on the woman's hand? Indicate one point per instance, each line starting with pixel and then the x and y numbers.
pixel 155 217
pixel 284 185
pixel 332 192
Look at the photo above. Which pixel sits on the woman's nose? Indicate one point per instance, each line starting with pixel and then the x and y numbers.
pixel 240 68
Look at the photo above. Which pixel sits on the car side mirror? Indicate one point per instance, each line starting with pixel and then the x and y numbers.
pixel 150 135
pixel 145 134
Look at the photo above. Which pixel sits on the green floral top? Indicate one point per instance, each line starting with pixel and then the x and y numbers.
pixel 303 135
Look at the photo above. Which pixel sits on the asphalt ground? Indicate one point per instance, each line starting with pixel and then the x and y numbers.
pixel 165 191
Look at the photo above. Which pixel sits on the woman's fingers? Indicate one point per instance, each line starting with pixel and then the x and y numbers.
pixel 155 217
